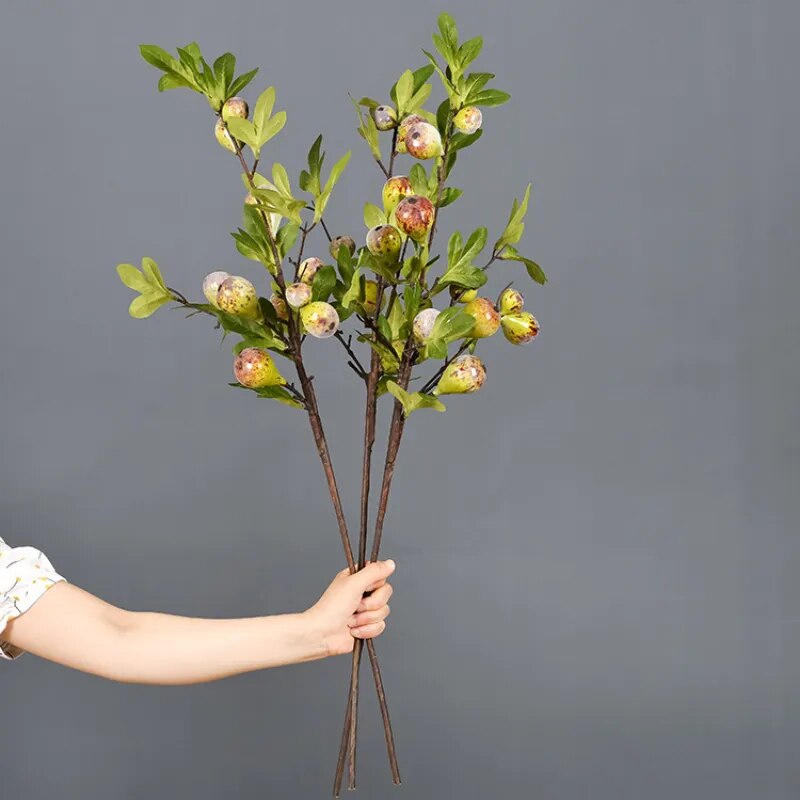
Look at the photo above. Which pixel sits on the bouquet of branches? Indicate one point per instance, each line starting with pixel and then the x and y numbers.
pixel 407 308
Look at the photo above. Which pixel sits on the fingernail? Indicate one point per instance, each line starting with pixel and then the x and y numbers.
pixel 391 564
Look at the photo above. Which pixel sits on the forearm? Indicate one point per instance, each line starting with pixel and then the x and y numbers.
pixel 75 629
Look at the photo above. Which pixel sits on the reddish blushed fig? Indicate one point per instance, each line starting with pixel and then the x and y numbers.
pixel 384 242
pixel 281 309
pixel 385 118
pixel 370 300
pixel 415 216
pixel 234 107
pixel 255 369
pixel 402 130
pixel 468 120
pixel 520 328
pixel 298 294
pixel 223 137
pixel 320 319
pixel 211 284
pixel 237 296
pixel 510 302
pixel 341 241
pixel 463 295
pixel 394 190
pixel 423 324
pixel 423 141
pixel 464 375
pixel 308 268
pixel 487 320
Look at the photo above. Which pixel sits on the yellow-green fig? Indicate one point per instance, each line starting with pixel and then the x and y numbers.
pixel 463 375
pixel 223 136
pixel 468 120
pixel 402 130
pixel 511 302
pixel 341 241
pixel 236 295
pixel 211 284
pixel 463 295
pixel 423 141
pixel 520 328
pixel 308 268
pixel 385 118
pixel 281 309
pixel 487 320
pixel 319 319
pixel 255 369
pixel 415 216
pixel 234 107
pixel 298 294
pixel 423 324
pixel 384 242
pixel 394 190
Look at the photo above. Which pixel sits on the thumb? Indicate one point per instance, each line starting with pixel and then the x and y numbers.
pixel 373 573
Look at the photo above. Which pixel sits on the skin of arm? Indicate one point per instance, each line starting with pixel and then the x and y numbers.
pixel 76 629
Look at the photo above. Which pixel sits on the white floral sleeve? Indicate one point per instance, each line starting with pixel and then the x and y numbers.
pixel 25 575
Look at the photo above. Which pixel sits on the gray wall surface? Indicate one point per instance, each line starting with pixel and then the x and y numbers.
pixel 596 593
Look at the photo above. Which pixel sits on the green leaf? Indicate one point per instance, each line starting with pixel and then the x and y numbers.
pixel 461 140
pixel 449 195
pixel 419 98
pixel 469 51
pixel 489 97
pixel 263 109
pixel 468 277
pixel 224 69
pixel 515 227
pixel 368 102
pixel 412 296
pixel 158 57
pixel 367 130
pixel 419 179
pixel 144 305
pixel 272 128
pixel 286 237
pixel 272 393
pixel 243 130
pixel 403 91
pixel 536 273
pixel 344 262
pixel 336 173
pixel 323 283
pixel 447 26
pixel 153 274
pixel 413 402
pixel 149 283
pixel 172 81
pixel 132 278
pixel 453 323
pixel 373 216
pixel 241 82
pixel 353 292
pixel 281 179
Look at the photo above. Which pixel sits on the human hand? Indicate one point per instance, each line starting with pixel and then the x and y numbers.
pixel 343 612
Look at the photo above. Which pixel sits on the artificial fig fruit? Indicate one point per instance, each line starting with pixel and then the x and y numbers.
pixel 370 301
pixel 223 136
pixel 385 118
pixel 468 120
pixel 423 141
pixel 487 320
pixel 394 190
pixel 211 284
pixel 402 130
pixel 298 294
pixel 319 319
pixel 423 324
pixel 341 241
pixel 510 302
pixel 279 304
pixel 520 328
pixel 384 242
pixel 308 268
pixel 236 295
pixel 463 375
pixel 463 295
pixel 234 107
pixel 255 369
pixel 415 216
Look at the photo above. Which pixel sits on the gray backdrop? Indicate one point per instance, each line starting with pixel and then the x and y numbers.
pixel 595 594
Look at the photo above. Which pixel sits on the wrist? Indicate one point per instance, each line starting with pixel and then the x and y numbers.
pixel 312 635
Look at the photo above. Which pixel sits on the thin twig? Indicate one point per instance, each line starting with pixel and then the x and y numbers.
pixel 325 228
pixel 347 344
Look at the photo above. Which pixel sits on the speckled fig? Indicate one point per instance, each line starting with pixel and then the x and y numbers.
pixel 384 242
pixel 385 118
pixel 463 375
pixel 281 309
pixel 487 320
pixel 298 294
pixel 211 284
pixel 394 190
pixel 341 241
pixel 370 300
pixel 423 324
pixel 319 319
pixel 223 137
pixel 236 295
pixel 255 369
pixel 463 295
pixel 402 130
pixel 468 120
pixel 510 302
pixel 309 267
pixel 235 107
pixel 520 328
pixel 423 141
pixel 415 216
